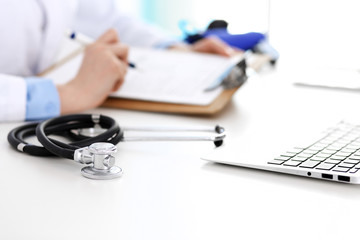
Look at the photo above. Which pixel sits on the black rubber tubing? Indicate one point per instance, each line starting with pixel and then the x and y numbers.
pixel 62 126
pixel 67 150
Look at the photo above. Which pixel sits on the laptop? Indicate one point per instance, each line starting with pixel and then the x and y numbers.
pixel 333 154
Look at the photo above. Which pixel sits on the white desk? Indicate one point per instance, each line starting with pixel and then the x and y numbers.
pixel 167 192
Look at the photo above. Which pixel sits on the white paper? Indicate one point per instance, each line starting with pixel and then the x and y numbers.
pixel 164 76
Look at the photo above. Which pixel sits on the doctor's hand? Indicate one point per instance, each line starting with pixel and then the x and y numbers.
pixel 102 72
pixel 209 45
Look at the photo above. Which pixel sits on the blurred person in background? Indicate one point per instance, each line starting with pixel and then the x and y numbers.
pixel 32 32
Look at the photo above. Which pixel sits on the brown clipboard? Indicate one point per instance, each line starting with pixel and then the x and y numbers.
pixel 215 107
pixel 139 105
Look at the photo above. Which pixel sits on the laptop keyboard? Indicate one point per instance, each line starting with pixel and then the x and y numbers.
pixel 338 151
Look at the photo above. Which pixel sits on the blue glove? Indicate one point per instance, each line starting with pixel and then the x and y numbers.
pixel 245 41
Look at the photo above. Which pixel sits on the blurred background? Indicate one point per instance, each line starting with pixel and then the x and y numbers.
pixel 304 32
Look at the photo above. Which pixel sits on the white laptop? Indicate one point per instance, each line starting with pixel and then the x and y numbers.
pixel 332 155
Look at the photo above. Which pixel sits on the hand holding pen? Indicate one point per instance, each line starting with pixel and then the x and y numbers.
pixel 102 72
pixel 85 41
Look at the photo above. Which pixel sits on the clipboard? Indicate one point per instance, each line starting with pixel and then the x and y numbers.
pixel 256 63
pixel 215 107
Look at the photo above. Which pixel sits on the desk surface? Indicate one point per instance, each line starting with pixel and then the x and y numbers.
pixel 167 192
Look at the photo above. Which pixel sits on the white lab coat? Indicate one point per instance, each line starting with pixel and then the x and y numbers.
pixel 32 32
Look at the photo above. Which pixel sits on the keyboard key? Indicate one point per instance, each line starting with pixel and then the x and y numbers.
pixel 292 163
pixel 309 164
pixel 309 151
pixel 319 144
pixel 317 158
pixel 288 154
pixel 336 157
pixel 325 166
pixel 351 161
pixel 305 155
pixel 343 142
pixel 357 153
pixel 317 148
pixel 328 151
pixel 282 158
pixel 295 150
pixel 344 154
pixel 332 161
pixel 326 141
pixel 346 165
pixel 340 169
pixel 352 148
pixel 353 170
pixel 320 154
pixel 276 162
pixel 333 137
pixel 355 158
pixel 357 166
pixel 299 158
pixel 335 147
pixel 347 150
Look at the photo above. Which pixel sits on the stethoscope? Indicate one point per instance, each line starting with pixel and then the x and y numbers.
pixel 92 140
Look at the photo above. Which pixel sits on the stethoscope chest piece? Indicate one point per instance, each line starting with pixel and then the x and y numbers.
pixel 101 157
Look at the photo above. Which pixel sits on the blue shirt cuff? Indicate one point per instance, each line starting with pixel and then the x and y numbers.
pixel 42 99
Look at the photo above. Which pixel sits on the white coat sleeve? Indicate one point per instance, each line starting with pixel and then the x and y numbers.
pixel 12 98
pixel 94 17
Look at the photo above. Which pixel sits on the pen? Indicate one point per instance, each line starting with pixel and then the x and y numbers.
pixel 85 40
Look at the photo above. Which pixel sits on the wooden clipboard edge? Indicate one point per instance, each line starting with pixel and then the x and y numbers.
pixel 215 107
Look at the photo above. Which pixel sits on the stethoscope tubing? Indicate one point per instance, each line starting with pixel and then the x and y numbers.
pixel 62 126
pixel 67 126
pixel 67 150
